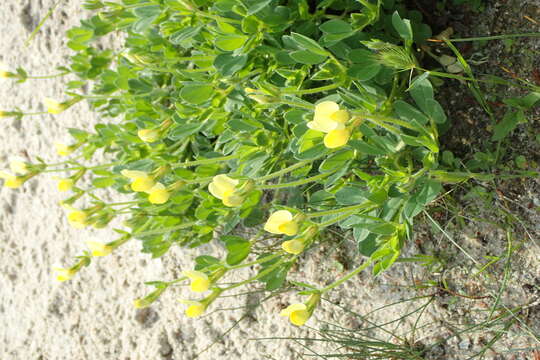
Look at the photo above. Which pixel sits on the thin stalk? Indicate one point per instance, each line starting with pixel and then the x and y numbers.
pixel 204 161
pixel 313 90
pixel 294 183
pixel 283 171
pixel 264 259
pixel 340 210
pixel 48 76
pixel 494 37
pixel 256 277
pixel 48 15
pixel 347 277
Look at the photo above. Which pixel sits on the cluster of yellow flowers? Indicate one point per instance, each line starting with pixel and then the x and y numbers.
pixel 144 182
pixel 332 121
pixel 21 171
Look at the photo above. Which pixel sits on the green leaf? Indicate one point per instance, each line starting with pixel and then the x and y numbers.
pixel 184 34
pixel 336 161
pixel 230 42
pixel 196 93
pixel 308 44
pixel 435 111
pixel 336 26
pixel 204 261
pixel 258 6
pixel 182 131
pixel 147 11
pixel 403 27
pixel 228 64
pixel 422 92
pixel 509 122
pixel 237 248
pixel 275 278
pixel 365 148
pixel 525 102
pixel 408 112
pixel 103 182
pixel 351 195
pixel 307 57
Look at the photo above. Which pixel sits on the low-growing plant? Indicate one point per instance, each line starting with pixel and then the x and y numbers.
pixel 216 107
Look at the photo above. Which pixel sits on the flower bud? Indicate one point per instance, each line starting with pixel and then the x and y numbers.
pixel 148 135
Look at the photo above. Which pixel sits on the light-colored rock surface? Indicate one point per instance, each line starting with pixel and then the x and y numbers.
pixel 91 317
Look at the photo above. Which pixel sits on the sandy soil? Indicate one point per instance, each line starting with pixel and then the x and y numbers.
pixel 91 317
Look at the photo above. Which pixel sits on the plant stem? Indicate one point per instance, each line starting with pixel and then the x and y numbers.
pixel 48 76
pixel 346 277
pixel 264 259
pixel 313 90
pixel 297 104
pixel 495 37
pixel 340 210
pixel 256 277
pixel 283 171
pixel 204 161
pixel 340 217
pixel 294 183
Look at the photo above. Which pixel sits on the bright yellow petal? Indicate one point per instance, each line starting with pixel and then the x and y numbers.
pixel 294 307
pixel 158 194
pixel 18 166
pixel 341 116
pixel 196 310
pixel 299 317
pixel 143 184
pixel 294 247
pixel 277 219
pixel 336 138
pixel 199 280
pixel 77 219
pixel 289 228
pixel 98 248
pixel 326 108
pixel 65 184
pixel 53 106
pixel 63 149
pixel 232 200
pixel 148 135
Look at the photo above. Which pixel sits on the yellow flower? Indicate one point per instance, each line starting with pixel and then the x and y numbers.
pixel 53 106
pixel 199 280
pixel 148 135
pixel 12 181
pixel 18 166
pixel 336 138
pixel 158 194
pixel 223 188
pixel 65 184
pixel 4 72
pixel 195 308
pixel 63 149
pixel 281 222
pixel 63 274
pixel 298 314
pixel 98 248
pixel 295 246
pixel 77 219
pixel 328 117
pixel 142 182
pixel 140 303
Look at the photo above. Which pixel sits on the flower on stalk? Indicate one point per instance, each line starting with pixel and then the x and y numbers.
pixel 12 181
pixel 4 72
pixel 300 313
pixel 281 222
pixel 54 107
pixel 148 135
pixel 65 184
pixel 78 219
pixel 294 246
pixel 98 248
pixel 142 182
pixel 19 166
pixel 199 280
pixel 331 120
pixel 195 308
pixel 224 188
pixel 63 274
pixel 158 194
pixel 63 149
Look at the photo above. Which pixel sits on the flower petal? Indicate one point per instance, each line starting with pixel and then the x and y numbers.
pixel 294 246
pixel 276 220
pixel 337 138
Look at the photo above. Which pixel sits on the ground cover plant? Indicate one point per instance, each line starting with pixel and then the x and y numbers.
pixel 285 117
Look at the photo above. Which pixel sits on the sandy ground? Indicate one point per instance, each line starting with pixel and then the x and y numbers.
pixel 91 317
